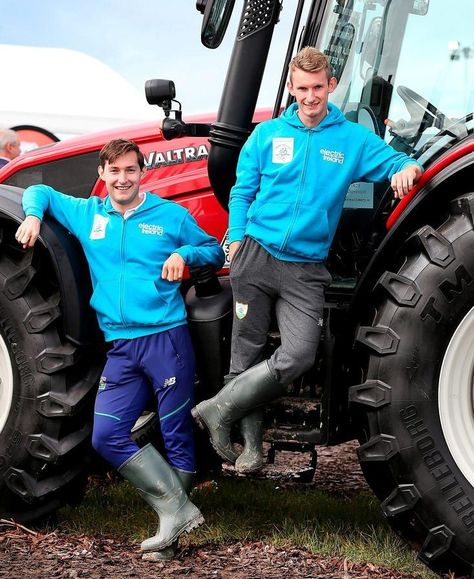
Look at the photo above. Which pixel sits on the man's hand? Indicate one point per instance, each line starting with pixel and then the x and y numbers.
pixel 173 268
pixel 28 232
pixel 233 247
pixel 404 180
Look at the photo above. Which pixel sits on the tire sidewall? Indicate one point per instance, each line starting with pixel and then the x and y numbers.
pixel 22 418
pixel 412 417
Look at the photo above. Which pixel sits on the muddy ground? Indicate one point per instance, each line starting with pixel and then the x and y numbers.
pixel 27 553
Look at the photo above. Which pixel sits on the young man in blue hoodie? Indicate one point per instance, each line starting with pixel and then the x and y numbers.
pixel 137 246
pixel 292 178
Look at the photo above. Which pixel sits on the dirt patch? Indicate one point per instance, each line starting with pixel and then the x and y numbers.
pixel 338 470
pixel 55 556
pixel 29 554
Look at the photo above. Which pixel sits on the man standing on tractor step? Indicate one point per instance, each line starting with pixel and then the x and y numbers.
pixel 137 246
pixel 292 178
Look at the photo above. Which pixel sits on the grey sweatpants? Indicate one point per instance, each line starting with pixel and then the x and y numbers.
pixel 261 285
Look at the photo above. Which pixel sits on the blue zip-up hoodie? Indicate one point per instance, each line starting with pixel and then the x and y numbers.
pixel 126 256
pixel 292 181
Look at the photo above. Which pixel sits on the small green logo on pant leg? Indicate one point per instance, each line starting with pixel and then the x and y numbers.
pixel 241 310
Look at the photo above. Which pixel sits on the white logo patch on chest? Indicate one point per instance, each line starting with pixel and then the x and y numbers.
pixel 283 148
pixel 98 227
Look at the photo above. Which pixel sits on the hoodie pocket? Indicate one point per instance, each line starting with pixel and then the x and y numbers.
pixel 137 302
pixel 105 300
pixel 148 301
pixel 301 231
pixel 308 233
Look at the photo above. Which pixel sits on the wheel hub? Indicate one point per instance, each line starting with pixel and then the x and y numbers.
pixel 6 384
pixel 456 396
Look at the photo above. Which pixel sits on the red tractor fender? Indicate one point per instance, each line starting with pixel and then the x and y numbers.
pixel 444 161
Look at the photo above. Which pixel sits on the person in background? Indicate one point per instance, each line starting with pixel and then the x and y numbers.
pixel 137 246
pixel 293 175
pixel 9 146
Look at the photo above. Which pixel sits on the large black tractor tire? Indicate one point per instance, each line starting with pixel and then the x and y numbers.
pixel 416 405
pixel 47 388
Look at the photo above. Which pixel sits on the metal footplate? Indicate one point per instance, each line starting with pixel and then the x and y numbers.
pixel 289 462
pixel 293 469
pixel 292 432
pixel 290 440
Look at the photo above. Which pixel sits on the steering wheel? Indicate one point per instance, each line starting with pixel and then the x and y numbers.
pixel 366 117
pixel 423 114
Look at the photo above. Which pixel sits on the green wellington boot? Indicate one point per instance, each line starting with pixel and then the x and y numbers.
pixel 166 554
pixel 251 428
pixel 247 391
pixel 161 488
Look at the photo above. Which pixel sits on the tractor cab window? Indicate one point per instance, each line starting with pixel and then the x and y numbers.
pixel 75 175
pixel 401 71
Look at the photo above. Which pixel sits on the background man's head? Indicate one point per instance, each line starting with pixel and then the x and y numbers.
pixel 9 144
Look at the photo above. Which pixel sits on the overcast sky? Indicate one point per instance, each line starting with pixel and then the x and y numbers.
pixel 140 39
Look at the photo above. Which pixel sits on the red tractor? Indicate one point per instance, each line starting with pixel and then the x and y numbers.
pixel 395 366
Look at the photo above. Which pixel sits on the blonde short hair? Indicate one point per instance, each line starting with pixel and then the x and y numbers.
pixel 310 59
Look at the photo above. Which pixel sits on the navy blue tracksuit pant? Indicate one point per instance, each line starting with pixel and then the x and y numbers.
pixel 160 365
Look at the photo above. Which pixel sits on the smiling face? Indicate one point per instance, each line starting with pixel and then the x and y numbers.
pixel 311 91
pixel 122 179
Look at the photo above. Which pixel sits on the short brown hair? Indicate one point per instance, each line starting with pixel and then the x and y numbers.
pixel 310 59
pixel 114 149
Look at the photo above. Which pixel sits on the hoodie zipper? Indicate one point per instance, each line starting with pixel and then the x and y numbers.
pixel 123 260
pixel 122 267
pixel 300 192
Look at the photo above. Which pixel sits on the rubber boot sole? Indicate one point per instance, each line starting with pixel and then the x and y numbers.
pixel 165 554
pixel 187 528
pixel 248 468
pixel 203 425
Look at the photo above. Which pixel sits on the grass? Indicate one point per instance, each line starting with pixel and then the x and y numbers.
pixel 240 510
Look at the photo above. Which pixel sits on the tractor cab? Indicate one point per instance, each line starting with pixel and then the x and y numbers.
pixel 401 71
pixel 404 70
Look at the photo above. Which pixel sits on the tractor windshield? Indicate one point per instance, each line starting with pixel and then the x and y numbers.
pixel 404 68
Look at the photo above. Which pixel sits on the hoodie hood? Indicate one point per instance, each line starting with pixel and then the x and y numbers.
pixel 334 117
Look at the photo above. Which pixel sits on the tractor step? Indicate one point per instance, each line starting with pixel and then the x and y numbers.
pixel 286 461
pixel 296 410
pixel 288 433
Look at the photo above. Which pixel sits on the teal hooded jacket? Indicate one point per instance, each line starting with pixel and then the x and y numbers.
pixel 126 256
pixel 292 181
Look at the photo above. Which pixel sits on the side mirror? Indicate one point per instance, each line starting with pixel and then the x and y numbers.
pixel 216 16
